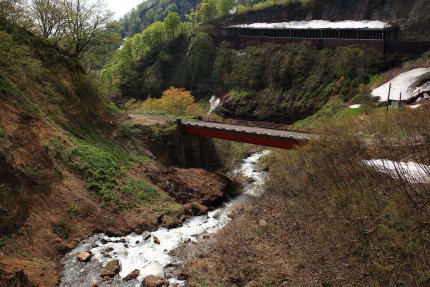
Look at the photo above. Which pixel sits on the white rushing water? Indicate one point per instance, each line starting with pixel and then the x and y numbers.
pixel 147 256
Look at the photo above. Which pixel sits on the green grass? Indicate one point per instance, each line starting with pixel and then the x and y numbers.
pixel 126 129
pixel 171 209
pixel 99 167
pixel 140 191
pixel 334 109
pixel 237 95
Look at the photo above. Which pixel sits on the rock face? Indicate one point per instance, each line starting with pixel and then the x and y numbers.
pixel 193 185
pixel 111 269
pixel 154 281
pixel 84 256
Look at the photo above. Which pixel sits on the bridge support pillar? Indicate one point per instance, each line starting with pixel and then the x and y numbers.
pixel 195 151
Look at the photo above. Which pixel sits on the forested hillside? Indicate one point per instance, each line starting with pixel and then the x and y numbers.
pixel 261 82
pixel 151 11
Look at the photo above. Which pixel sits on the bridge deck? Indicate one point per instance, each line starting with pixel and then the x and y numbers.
pixel 253 130
pixel 254 135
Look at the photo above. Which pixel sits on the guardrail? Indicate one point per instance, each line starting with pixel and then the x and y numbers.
pixel 258 124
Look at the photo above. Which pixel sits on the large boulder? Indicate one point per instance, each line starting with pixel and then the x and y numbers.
pixel 154 281
pixel 84 256
pixel 195 208
pixel 111 270
pixel 193 185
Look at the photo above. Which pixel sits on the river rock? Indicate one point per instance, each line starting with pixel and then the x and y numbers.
pixel 262 222
pixel 196 208
pixel 206 235
pixel 156 240
pixel 111 269
pixel 138 230
pixel 132 275
pixel 84 256
pixel 154 281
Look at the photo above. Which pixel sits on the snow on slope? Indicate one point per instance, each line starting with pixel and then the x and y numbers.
pixel 407 84
pixel 318 24
pixel 410 171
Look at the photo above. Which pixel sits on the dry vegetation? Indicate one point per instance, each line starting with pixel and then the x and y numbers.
pixel 332 221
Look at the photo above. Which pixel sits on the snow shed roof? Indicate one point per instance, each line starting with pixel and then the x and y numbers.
pixel 317 24
pixel 406 83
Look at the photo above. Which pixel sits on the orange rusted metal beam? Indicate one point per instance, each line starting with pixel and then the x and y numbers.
pixel 258 139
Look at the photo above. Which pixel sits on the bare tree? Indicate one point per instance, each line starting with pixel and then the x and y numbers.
pixel 15 12
pixel 49 16
pixel 86 25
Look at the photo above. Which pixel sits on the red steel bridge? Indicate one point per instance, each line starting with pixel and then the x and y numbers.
pixel 259 133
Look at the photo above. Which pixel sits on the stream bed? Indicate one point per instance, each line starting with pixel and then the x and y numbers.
pixel 150 258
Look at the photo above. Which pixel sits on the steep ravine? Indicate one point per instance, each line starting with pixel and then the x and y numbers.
pixel 142 251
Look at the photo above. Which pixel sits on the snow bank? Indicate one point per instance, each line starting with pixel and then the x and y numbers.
pixel 214 102
pixel 407 84
pixel 318 24
pixel 409 171
pixel 354 106
pixel 414 106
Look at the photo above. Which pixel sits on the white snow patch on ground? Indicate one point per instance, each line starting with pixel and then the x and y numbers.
pixel 409 171
pixel 354 106
pixel 406 84
pixel 214 102
pixel 318 24
pixel 414 106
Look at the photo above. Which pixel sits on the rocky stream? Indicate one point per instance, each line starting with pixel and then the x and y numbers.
pixel 130 260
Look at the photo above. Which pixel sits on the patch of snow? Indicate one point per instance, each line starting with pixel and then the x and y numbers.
pixel 422 89
pixel 214 102
pixel 410 171
pixel 354 106
pixel 318 24
pixel 404 84
pixel 414 106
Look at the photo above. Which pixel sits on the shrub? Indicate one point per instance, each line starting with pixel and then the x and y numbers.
pixel 175 101
pixel 126 129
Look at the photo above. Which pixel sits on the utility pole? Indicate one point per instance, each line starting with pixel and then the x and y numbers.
pixel 388 104
pixel 400 100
